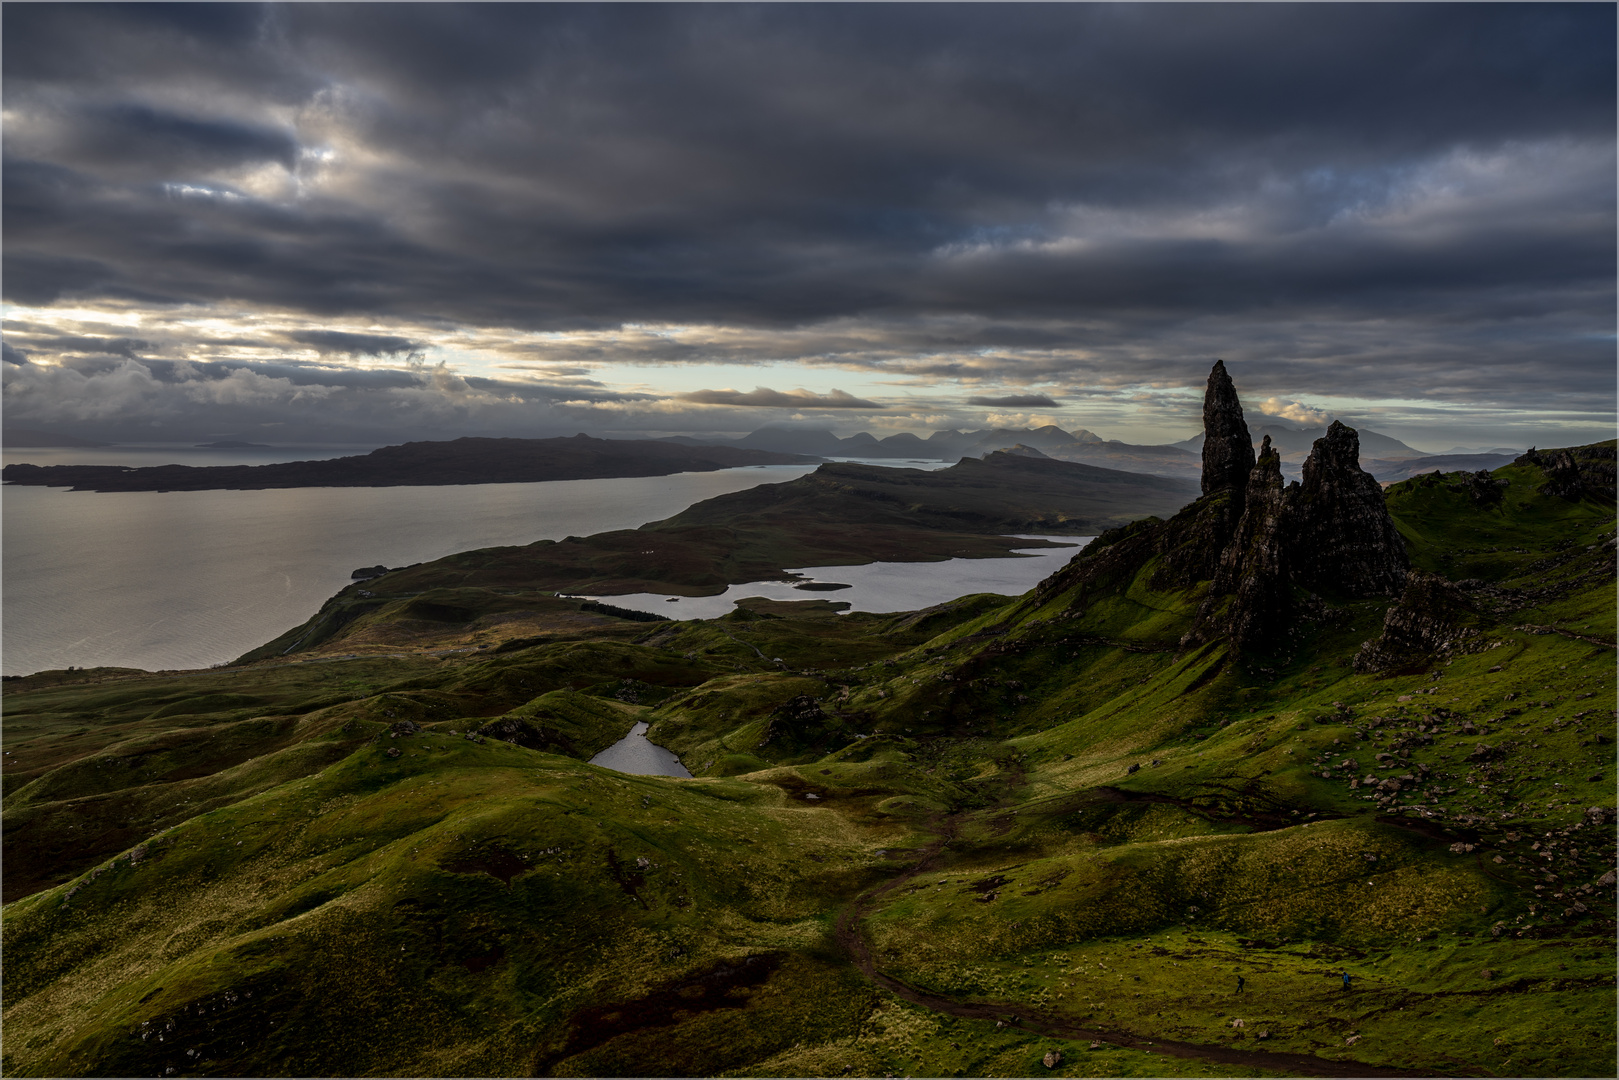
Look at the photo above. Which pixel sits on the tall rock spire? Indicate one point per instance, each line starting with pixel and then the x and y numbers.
pixel 1228 449
pixel 1343 538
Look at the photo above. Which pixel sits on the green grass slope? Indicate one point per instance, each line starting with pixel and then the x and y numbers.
pixel 963 841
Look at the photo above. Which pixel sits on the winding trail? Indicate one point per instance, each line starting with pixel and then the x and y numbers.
pixel 849 936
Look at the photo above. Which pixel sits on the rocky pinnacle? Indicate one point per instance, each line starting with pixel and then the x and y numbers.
pixel 1228 450
pixel 1343 538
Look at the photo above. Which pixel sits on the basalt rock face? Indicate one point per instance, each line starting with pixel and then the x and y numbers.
pixel 1572 474
pixel 1255 565
pixel 1252 540
pixel 1342 537
pixel 1428 622
pixel 1228 449
pixel 1196 537
pixel 1191 542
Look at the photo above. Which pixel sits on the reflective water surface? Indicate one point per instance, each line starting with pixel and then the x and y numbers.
pixel 878 586
pixel 635 754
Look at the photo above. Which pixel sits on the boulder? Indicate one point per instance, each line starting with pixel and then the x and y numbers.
pixel 1426 623
pixel 1052 1059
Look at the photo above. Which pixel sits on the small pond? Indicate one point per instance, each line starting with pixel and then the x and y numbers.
pixel 634 753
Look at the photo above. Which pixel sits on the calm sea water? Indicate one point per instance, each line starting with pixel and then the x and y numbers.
pixel 187 579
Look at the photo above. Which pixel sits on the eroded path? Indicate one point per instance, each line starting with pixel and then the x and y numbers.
pixel 853 941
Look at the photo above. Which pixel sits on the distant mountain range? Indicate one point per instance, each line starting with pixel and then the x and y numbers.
pixel 1181 460
pixel 1080 446
pixel 1391 472
pixel 489 460
pixel 1294 442
pixel 939 446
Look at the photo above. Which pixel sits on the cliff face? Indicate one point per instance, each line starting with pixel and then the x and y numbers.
pixel 1228 449
pixel 1255 566
pixel 1428 621
pixel 1342 537
pixel 1581 471
pixel 1332 533
pixel 1254 540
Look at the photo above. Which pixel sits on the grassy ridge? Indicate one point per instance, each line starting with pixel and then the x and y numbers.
pixel 1056 827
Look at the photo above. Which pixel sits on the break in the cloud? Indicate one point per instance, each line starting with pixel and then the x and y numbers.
pixel 764 397
pixel 1295 410
pixel 1408 208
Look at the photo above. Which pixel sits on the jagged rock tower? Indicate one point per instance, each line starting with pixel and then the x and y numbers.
pixel 1257 548
pixel 1228 449
pixel 1191 552
pixel 1330 534
pixel 1343 538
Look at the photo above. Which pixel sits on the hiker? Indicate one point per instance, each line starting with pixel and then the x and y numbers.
pixel 1346 982
pixel 1240 982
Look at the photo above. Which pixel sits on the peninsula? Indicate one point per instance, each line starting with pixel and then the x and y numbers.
pixel 458 461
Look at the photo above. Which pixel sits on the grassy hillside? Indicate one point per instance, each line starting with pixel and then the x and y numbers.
pixel 949 842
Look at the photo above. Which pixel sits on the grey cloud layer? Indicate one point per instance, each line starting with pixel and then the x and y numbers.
pixel 1014 401
pixel 145 399
pixel 1414 201
pixel 763 396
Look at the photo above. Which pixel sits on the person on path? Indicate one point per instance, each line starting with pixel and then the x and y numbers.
pixel 1346 982
pixel 1240 982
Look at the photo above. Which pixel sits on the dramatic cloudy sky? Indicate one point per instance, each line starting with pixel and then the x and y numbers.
pixel 372 221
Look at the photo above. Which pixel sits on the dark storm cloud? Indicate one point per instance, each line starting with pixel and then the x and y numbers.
pixel 764 397
pixel 1411 200
pixel 1015 401
pixel 339 341
pixel 131 139
pixel 12 355
pixel 143 399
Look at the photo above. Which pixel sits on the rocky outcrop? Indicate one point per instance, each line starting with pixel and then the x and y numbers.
pixel 1428 622
pixel 1228 449
pixel 1194 539
pixel 1262 548
pixel 1254 567
pixel 1585 471
pixel 1484 489
pixel 798 719
pixel 520 732
pixel 1342 538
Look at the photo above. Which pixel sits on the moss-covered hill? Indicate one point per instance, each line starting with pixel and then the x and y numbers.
pixel 950 842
